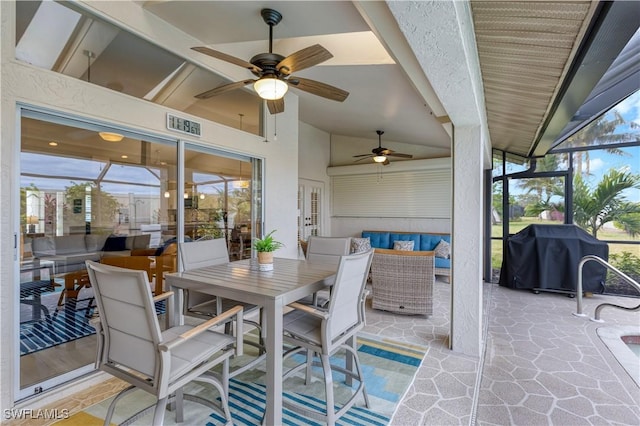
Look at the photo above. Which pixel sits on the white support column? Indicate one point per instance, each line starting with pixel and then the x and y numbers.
pixel 441 39
pixel 466 279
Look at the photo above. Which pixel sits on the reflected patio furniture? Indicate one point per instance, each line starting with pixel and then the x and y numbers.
pixel 36 279
pixel 326 331
pixel 240 244
pixel 160 264
pixel 74 283
pixel 132 347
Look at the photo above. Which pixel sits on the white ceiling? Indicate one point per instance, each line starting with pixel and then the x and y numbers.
pixel 381 96
pixel 539 62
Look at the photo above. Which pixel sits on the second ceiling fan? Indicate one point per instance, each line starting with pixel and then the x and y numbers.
pixel 380 154
pixel 274 71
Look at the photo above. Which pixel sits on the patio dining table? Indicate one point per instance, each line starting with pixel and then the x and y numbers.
pixel 290 280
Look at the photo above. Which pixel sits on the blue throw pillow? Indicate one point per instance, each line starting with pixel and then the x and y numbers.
pixel 167 243
pixel 114 243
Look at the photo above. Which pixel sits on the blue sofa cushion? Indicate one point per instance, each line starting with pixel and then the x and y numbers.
pixel 404 237
pixel 421 242
pixel 442 263
pixel 378 239
pixel 428 242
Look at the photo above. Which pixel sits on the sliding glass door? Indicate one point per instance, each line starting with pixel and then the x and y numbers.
pixel 89 192
pixel 82 188
pixel 219 198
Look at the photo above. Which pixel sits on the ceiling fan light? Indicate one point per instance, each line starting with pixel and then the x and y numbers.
pixel 270 88
pixel 379 158
pixel 111 137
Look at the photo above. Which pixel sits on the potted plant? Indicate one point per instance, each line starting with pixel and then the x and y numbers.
pixel 265 247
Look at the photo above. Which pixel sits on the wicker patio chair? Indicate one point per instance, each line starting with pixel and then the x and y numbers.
pixel 402 282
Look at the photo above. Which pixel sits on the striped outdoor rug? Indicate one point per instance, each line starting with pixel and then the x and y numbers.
pixel 389 368
pixel 36 336
pixel 57 329
pixel 247 403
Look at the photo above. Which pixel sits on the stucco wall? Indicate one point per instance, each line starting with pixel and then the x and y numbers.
pixel 25 84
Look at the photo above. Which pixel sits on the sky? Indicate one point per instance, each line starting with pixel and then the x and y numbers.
pixel 601 161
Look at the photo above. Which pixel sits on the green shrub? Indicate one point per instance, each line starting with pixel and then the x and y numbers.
pixel 627 263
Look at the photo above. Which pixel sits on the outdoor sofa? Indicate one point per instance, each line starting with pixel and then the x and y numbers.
pixel 422 241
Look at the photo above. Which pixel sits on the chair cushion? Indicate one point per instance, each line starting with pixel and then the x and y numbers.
pixel 303 325
pixel 195 350
pixel 70 244
pixel 440 262
pixel 43 246
pixel 378 239
pixel 94 242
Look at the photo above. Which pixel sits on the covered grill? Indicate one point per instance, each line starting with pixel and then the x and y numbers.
pixel 546 258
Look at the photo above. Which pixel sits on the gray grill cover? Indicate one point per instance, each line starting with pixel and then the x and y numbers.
pixel 546 257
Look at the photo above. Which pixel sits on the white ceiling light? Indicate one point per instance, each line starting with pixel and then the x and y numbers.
pixel 379 158
pixel 270 88
pixel 111 137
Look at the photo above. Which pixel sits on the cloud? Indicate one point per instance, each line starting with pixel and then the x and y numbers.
pixel 630 108
pixel 596 164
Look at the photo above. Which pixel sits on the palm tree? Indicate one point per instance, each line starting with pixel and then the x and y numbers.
pixel 542 190
pixel 602 132
pixel 606 203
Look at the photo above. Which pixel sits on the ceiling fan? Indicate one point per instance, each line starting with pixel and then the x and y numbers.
pixel 274 71
pixel 380 154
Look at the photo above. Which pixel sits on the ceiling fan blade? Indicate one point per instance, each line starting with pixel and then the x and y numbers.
pixel 397 154
pixel 304 58
pixel 224 88
pixel 276 107
pixel 227 58
pixel 385 162
pixel 363 157
pixel 319 89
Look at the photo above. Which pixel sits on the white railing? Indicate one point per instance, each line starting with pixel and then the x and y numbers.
pixel 613 269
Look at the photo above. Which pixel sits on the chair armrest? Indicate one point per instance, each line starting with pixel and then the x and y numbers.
pixel 236 311
pixel 163 296
pixel 144 252
pixel 309 309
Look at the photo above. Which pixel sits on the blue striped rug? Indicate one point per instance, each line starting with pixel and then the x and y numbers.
pixel 388 368
pixel 39 335
pixel 247 402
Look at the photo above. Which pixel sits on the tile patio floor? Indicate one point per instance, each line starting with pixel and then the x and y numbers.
pixel 541 364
